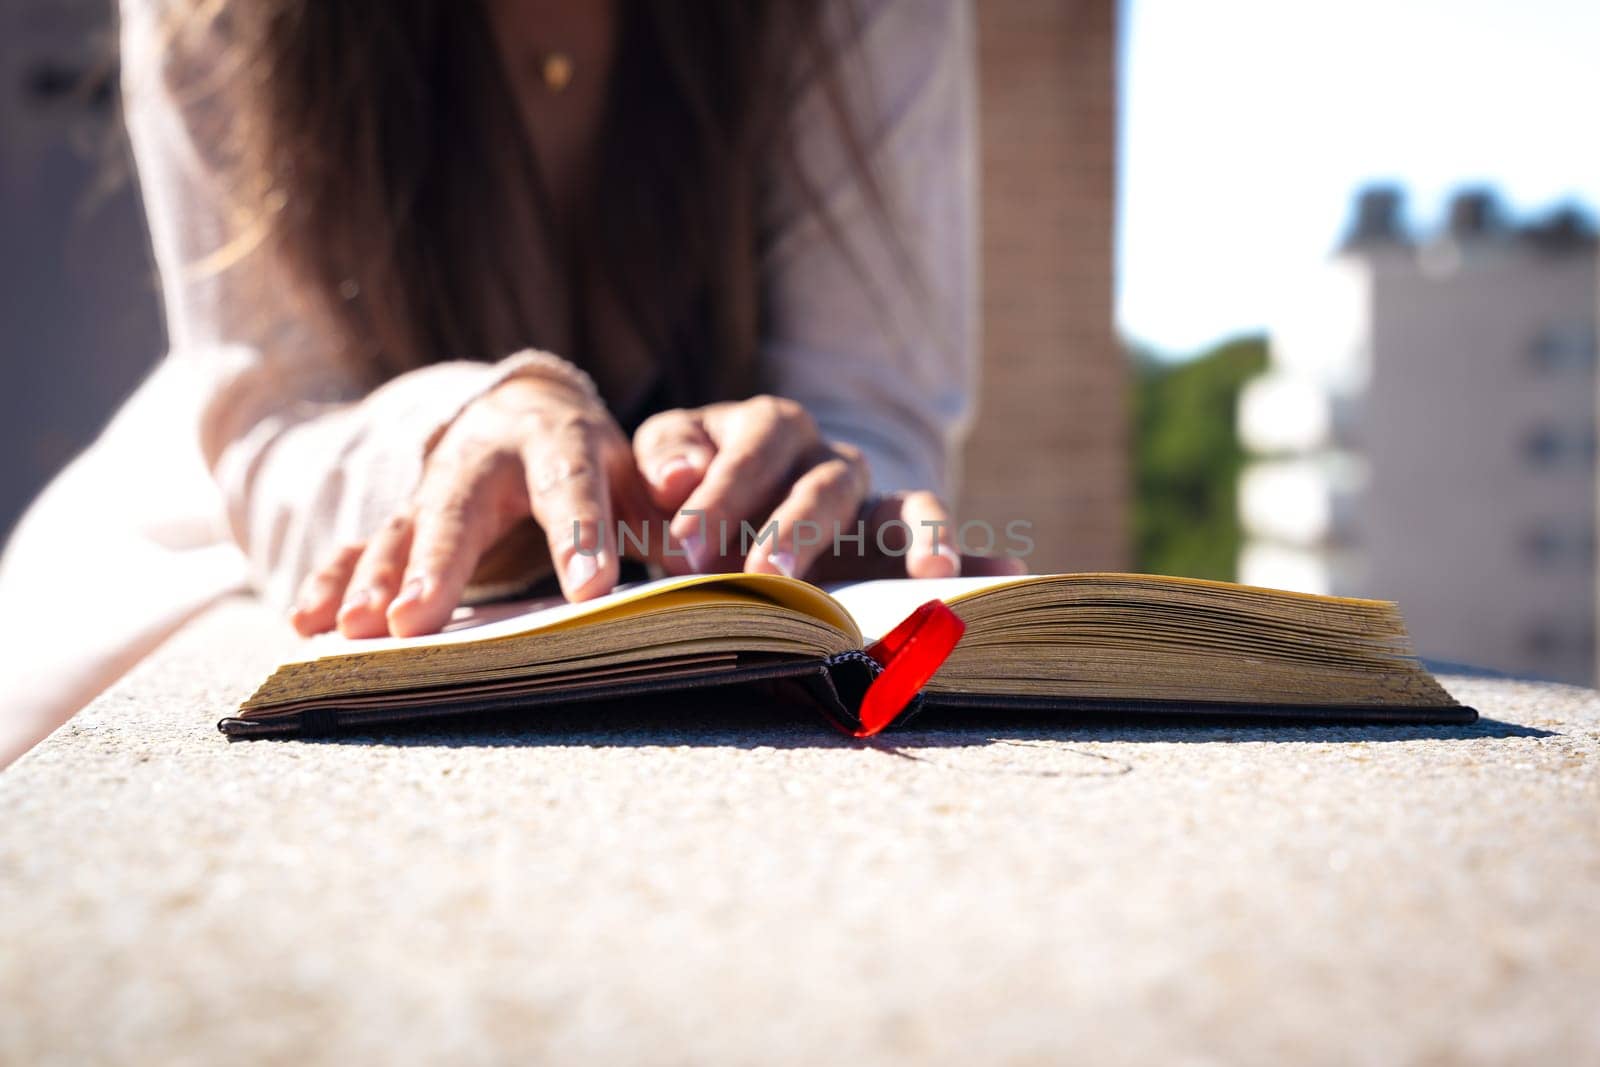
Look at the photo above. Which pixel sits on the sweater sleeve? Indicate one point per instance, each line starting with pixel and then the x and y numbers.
pixel 307 456
pixel 875 330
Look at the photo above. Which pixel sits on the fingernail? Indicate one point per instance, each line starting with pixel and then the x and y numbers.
pixel 783 559
pixel 410 593
pixel 944 551
pixel 357 599
pixel 580 569
pixel 694 546
pixel 675 465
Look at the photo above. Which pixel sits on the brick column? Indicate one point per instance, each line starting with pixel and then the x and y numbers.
pixel 1050 444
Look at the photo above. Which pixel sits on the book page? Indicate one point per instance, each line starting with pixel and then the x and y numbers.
pixel 878 606
pixel 490 622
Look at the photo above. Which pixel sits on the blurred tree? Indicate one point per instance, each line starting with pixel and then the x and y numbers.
pixel 1187 458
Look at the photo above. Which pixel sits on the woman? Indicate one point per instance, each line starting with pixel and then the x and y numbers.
pixel 454 288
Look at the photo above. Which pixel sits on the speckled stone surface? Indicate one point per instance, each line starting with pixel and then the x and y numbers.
pixel 687 891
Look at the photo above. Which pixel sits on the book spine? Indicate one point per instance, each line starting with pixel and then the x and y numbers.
pixel 840 687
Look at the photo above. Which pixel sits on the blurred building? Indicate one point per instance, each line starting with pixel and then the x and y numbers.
pixel 1426 433
pixel 82 319
pixel 1051 442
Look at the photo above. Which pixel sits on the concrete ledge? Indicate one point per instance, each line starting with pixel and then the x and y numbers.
pixel 699 891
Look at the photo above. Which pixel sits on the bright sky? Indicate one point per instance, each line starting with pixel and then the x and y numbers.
pixel 1248 125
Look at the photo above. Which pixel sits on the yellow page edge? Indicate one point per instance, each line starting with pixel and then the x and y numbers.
pixel 634 600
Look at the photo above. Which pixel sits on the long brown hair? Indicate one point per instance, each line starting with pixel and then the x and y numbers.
pixel 380 149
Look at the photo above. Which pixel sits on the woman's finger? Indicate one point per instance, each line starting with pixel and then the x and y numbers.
pixel 758 444
pixel 931 552
pixel 824 501
pixel 919 529
pixel 569 493
pixel 457 518
pixel 672 451
pixel 376 580
pixel 316 605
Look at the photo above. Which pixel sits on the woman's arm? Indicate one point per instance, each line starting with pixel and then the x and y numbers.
pixel 869 289
pixel 878 338
pixel 308 454
pixel 870 306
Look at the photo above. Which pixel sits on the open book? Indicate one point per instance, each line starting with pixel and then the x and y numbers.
pixel 1095 644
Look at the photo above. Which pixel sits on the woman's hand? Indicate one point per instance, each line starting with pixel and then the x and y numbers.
pixel 763 462
pixel 538 446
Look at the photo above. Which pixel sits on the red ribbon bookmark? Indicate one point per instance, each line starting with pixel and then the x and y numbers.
pixel 910 654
